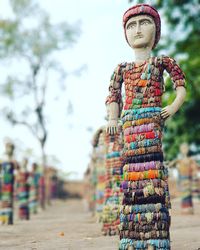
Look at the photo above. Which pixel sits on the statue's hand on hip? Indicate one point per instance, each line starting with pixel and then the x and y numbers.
pixel 167 112
pixel 112 127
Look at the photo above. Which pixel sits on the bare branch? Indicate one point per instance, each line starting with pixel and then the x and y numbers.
pixel 40 116
pixel 14 121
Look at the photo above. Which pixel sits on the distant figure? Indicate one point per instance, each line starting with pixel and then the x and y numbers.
pixel 99 169
pixel 7 167
pixel 23 190
pixel 112 194
pixel 187 173
pixel 42 192
pixel 34 187
pixel 87 190
pixel 49 184
pixel 54 185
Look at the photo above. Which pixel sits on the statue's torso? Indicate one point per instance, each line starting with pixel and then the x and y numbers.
pixel 143 85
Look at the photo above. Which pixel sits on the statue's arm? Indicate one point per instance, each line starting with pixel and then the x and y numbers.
pixel 178 78
pixel 114 101
pixel 171 109
pixel 112 126
pixel 172 164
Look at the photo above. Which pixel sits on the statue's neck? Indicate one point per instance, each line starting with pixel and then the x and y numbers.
pixel 142 54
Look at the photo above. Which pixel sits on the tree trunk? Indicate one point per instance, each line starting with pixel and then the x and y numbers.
pixel 43 179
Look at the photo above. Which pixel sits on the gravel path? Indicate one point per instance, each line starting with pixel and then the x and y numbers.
pixel 65 225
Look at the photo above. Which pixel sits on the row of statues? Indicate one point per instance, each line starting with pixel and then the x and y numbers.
pixel 103 179
pixel 30 189
pixel 135 174
pixel 105 173
pixel 188 178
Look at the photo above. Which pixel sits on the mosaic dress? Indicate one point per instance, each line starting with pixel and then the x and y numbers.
pixel 144 214
pixel 195 179
pixel 92 184
pixel 100 172
pixel 23 195
pixel 7 192
pixel 188 183
pixel 33 193
pixel 42 191
pixel 112 195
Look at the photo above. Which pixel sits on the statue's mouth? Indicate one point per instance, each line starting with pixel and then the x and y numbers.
pixel 138 36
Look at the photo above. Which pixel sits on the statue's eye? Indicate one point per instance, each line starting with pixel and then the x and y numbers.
pixel 145 22
pixel 131 26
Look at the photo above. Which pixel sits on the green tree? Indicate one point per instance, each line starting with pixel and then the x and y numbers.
pixel 183 18
pixel 30 41
pixel 182 42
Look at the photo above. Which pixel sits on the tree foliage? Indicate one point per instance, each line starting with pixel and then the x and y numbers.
pixel 29 40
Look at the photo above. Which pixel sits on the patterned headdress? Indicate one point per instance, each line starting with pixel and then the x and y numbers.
pixel 144 9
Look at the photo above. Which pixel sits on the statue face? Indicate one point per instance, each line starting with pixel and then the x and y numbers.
pixel 184 148
pixel 34 166
pixel 24 162
pixel 141 31
pixel 9 149
pixel 23 166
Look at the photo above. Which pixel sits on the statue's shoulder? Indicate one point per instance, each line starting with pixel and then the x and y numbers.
pixel 158 60
pixel 165 60
pixel 121 67
pixel 125 66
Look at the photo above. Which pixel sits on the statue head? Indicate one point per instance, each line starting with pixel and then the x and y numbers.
pixel 24 164
pixel 184 149
pixel 142 26
pixel 34 167
pixel 9 148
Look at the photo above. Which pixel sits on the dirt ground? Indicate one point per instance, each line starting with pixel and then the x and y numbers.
pixel 65 225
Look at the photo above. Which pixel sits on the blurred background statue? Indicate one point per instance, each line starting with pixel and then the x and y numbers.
pixel 188 180
pixel 23 190
pixel 7 168
pixel 33 190
pixel 113 178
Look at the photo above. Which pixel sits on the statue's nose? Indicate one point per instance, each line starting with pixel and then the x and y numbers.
pixel 138 28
